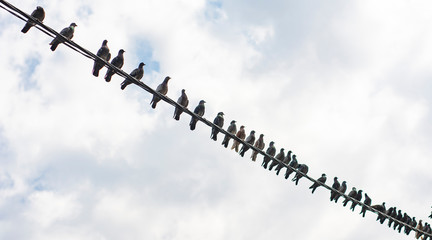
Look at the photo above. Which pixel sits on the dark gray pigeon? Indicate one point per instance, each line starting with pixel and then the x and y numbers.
pixel 303 168
pixel 342 189
pixel 199 110
pixel 319 182
pixel 38 14
pixel 232 128
pixel 358 197
pixel 381 209
pixel 250 140
pixel 392 213
pixel 368 202
pixel 182 101
pixel 137 73
pixel 66 32
pixel 293 164
pixel 258 144
pixel 271 150
pixel 218 121
pixel 118 62
pixel 162 89
pixel 286 161
pixel 280 156
pixel 399 218
pixel 413 225
pixel 103 53
pixel 336 185
pixel 352 194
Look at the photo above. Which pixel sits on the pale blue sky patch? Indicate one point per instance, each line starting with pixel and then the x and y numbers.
pixel 28 81
pixel 144 51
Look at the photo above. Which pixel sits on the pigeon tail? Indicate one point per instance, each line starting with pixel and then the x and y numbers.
pixel 192 124
pixel 95 72
pixel 108 76
pixel 26 28
pixel 54 46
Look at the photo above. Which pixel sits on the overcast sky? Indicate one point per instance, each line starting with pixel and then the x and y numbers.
pixel 345 85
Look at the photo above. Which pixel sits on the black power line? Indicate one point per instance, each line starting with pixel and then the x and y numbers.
pixel 76 47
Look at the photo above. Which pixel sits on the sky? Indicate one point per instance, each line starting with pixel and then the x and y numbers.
pixel 345 85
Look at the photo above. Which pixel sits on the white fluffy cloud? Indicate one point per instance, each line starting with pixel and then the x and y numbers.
pixel 344 85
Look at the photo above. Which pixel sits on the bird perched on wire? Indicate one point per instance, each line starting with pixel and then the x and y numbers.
pixel 399 217
pixel 117 62
pixel 240 134
pixel 137 73
pixel 392 213
pixel 413 225
pixel 38 14
pixel 286 161
pixel 258 144
pixel 232 128
pixel 271 150
pixel 293 164
pixel 358 197
pixel 67 33
pixel 103 53
pixel 427 229
pixel 199 110
pixel 162 89
pixel 336 185
pixel 182 101
pixel 321 180
pixel 381 209
pixel 218 121
pixel 280 156
pixel 419 228
pixel 430 216
pixel 302 168
pixel 342 189
pixel 367 202
pixel 249 140
pixel 352 194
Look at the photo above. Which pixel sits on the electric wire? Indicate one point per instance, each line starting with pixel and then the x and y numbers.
pixel 76 47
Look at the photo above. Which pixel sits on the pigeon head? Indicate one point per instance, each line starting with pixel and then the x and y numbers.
pixel 73 25
pixel 282 150
pixel 323 175
pixel 242 127
pixel 335 178
pixel 294 156
pixel 183 91
pixel 221 113
pixel 141 65
pixel 261 135
pixel 105 42
pixel 233 121
pixel 252 132
pixel 167 78
pixel 271 143
pixel 39 8
pixel 121 51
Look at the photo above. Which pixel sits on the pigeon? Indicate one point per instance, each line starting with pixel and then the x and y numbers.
pixel 199 110
pixel 218 121
pixel 318 183
pixel 430 216
pixel 103 53
pixel 399 218
pixel 232 128
pixel 413 225
pixel 293 165
pixel 66 32
pixel 280 156
pixel 352 194
pixel 137 73
pixel 381 209
pixel 271 150
pixel 162 89
pixel 427 229
pixel 183 101
pixel 117 62
pixel 342 189
pixel 258 144
pixel 392 213
pixel 358 197
pixel 249 140
pixel 38 14
pixel 240 134
pixel 408 224
pixel 419 228
pixel 336 185
pixel 367 202
pixel 286 161
pixel 302 168
pixel 403 219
